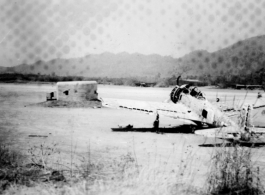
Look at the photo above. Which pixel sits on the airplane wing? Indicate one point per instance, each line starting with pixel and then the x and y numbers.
pixel 234 104
pixel 232 135
pixel 177 111
pixel 257 112
pixel 259 130
pixel 220 132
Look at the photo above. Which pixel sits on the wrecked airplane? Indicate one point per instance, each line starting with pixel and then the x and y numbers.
pixel 201 116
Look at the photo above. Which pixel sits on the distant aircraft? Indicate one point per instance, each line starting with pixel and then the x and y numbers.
pixel 189 104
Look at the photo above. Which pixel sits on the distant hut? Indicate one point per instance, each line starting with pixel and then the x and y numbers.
pixel 77 91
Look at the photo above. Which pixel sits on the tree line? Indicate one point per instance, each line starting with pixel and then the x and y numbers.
pixel 256 78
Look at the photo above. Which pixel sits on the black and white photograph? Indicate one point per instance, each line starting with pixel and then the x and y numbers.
pixel 132 97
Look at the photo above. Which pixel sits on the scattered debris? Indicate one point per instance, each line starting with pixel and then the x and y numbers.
pixel 38 135
pixel 57 176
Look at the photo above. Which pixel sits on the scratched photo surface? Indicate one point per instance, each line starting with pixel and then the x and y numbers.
pixel 135 50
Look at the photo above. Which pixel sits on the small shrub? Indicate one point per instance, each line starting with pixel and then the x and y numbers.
pixel 233 172
pixel 43 155
pixel 8 158
pixel 14 171
pixel 9 167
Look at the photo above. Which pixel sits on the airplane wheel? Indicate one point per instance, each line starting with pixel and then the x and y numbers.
pixel 192 128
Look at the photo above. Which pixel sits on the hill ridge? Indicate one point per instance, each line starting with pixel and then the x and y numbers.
pixel 239 59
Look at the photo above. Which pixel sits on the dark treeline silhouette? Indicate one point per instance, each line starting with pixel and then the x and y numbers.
pixel 224 81
pixel 25 78
pixel 254 78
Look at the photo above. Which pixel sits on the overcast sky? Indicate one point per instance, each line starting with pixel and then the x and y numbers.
pixel 46 29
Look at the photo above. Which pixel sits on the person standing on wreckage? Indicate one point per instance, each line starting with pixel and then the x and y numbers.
pixel 156 123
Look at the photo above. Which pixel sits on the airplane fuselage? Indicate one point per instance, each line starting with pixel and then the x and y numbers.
pixel 194 100
pixel 207 112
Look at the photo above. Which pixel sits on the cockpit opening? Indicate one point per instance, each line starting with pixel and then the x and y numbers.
pixel 195 92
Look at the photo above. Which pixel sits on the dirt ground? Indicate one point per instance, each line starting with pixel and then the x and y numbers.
pixel 88 130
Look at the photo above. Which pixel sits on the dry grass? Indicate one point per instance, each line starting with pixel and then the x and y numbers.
pixel 232 169
pixel 10 168
pixel 15 169
pixel 132 181
pixel 233 172
pixel 122 175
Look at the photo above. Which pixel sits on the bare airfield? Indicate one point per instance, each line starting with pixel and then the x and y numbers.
pixel 88 130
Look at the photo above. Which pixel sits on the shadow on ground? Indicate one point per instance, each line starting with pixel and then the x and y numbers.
pixel 175 129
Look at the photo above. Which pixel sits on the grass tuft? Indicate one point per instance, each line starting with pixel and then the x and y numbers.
pixel 14 171
pixel 121 175
pixel 233 172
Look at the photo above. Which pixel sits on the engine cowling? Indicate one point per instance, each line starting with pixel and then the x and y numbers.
pixel 175 93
